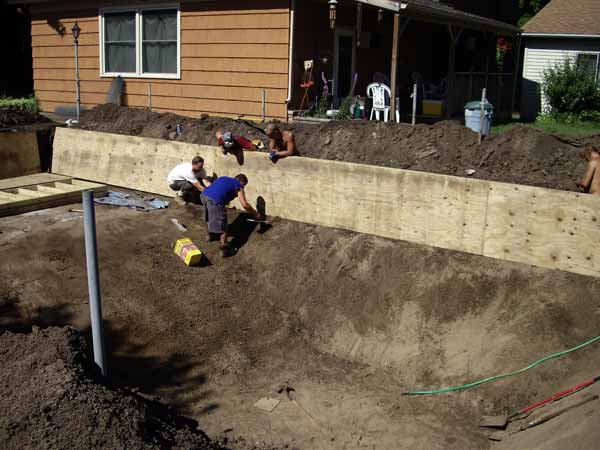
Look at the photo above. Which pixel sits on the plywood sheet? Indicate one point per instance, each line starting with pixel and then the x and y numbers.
pixel 541 227
pixel 124 161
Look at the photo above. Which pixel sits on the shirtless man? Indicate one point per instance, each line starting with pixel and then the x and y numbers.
pixel 281 144
pixel 591 181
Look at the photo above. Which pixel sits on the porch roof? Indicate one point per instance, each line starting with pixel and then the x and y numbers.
pixel 437 12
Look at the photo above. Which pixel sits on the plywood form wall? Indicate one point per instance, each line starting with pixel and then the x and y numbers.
pixel 541 227
pixel 229 53
pixel 19 154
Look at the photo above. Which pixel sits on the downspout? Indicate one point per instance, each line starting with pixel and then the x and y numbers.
pixel 291 45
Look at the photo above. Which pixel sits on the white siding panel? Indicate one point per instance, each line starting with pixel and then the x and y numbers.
pixel 536 62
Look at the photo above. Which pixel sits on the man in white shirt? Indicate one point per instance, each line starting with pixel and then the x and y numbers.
pixel 189 180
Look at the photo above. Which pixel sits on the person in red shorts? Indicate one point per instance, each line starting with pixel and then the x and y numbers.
pixel 234 144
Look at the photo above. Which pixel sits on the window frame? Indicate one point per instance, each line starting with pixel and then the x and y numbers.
pixel 139 41
pixel 597 55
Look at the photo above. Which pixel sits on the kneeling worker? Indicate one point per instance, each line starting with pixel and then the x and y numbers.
pixel 189 180
pixel 215 199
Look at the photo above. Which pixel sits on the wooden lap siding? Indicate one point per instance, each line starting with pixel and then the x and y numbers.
pixel 229 54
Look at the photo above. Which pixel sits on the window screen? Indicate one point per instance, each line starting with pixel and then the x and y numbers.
pixel 119 42
pixel 159 41
pixel 589 62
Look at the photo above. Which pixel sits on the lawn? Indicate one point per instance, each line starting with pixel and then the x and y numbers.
pixel 580 129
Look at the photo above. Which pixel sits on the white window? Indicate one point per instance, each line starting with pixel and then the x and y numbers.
pixel 590 62
pixel 140 42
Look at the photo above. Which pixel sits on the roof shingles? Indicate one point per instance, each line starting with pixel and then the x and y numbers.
pixel 581 17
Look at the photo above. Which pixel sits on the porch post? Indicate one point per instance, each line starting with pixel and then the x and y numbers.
pixel 395 38
pixel 454 37
pixel 517 49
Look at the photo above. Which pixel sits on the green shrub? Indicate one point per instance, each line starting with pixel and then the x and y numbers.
pixel 590 116
pixel 570 89
pixel 322 107
pixel 344 112
pixel 29 104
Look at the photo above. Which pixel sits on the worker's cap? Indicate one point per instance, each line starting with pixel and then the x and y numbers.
pixel 228 140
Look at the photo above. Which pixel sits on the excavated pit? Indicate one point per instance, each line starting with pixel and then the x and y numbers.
pixel 349 321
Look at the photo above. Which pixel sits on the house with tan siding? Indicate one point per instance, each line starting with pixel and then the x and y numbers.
pixel 557 32
pixel 247 58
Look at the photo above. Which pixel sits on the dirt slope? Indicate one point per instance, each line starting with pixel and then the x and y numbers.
pixel 521 155
pixel 49 399
pixel 17 118
pixel 350 321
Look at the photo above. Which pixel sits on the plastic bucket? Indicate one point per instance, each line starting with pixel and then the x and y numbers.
pixel 473 117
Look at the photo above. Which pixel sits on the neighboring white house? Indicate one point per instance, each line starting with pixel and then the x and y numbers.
pixel 563 29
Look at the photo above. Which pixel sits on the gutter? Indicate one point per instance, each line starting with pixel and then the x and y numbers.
pixel 563 35
pixel 291 45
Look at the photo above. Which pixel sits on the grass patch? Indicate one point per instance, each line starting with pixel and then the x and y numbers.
pixel 578 129
pixel 28 104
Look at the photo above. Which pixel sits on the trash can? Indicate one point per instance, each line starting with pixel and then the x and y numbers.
pixel 473 117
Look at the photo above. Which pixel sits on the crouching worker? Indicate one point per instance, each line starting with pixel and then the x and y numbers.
pixel 215 199
pixel 188 180
pixel 281 143
pixel 234 144
pixel 591 181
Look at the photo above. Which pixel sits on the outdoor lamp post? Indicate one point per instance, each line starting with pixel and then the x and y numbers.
pixel 76 31
pixel 332 13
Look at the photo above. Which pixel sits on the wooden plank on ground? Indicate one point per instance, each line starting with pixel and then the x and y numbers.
pixel 18 200
pixel 30 180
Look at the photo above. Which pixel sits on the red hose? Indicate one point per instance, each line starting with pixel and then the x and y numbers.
pixel 557 396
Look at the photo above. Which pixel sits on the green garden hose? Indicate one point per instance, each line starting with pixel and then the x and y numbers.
pixel 505 375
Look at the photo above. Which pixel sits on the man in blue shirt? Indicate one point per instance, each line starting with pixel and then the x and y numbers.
pixel 215 199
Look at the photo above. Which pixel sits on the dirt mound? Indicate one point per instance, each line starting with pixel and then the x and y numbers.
pixel 50 399
pixel 14 117
pixel 349 320
pixel 521 155
pixel 528 156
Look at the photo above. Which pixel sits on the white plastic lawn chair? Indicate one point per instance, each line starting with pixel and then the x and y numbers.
pixel 377 92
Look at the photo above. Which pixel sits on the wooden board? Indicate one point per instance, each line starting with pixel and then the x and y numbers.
pixel 541 227
pixel 30 180
pixel 51 191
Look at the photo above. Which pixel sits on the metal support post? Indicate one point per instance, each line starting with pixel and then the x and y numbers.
pixel 482 114
pixel 77 81
pixel 91 254
pixel 414 99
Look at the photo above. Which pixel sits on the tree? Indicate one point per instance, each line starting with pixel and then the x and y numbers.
pixel 530 8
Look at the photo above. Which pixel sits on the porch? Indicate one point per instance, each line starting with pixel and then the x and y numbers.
pixel 451 55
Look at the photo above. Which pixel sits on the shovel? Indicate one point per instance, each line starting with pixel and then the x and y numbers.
pixel 502 421
pixel 291 395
